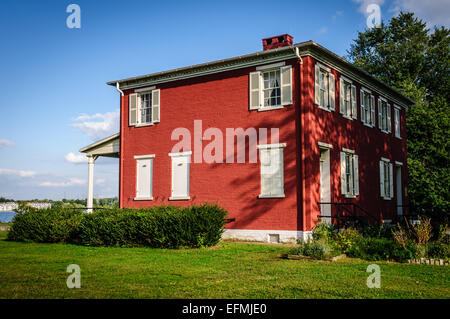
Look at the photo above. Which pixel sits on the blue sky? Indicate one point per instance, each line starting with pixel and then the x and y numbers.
pixel 54 99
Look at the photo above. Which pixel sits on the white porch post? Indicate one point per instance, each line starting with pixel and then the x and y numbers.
pixel 90 196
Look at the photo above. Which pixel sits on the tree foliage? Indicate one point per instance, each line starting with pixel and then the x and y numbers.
pixel 415 60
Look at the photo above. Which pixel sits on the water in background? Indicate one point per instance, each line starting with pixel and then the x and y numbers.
pixel 6 217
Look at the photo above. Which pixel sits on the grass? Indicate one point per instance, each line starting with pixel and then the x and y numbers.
pixel 229 270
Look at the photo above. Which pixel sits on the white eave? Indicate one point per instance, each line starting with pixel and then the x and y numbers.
pixel 109 147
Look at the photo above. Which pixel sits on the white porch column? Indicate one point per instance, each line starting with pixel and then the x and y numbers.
pixel 90 196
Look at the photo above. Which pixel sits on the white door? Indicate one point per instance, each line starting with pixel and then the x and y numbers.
pixel 325 188
pixel 144 178
pixel 180 177
pixel 398 177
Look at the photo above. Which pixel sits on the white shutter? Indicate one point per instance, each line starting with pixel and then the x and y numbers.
pixel 144 178
pixel 382 178
pixel 286 85
pixel 316 84
pixel 255 90
pixel 155 106
pixel 389 124
pixel 265 171
pixel 356 174
pixel 343 175
pixel 180 176
pixel 332 96
pixel 372 110
pixel 325 98
pixel 354 105
pixel 276 160
pixel 341 96
pixel 391 181
pixel 132 109
pixel 380 116
pixel 361 102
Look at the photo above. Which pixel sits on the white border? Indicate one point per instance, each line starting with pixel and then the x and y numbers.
pixel 286 236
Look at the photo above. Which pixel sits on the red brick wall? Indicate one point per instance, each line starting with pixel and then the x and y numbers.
pixel 370 144
pixel 221 101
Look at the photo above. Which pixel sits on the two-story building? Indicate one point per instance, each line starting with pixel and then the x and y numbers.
pixel 280 138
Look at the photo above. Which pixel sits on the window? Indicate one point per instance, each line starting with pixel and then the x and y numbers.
pixel 272 171
pixel 386 180
pixel 144 107
pixel 180 175
pixel 347 105
pixel 144 177
pixel 324 87
pixel 397 121
pixel 367 108
pixel 349 174
pixel 384 115
pixel 270 87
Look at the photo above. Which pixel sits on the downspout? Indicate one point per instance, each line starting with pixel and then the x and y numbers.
pixel 297 53
pixel 121 147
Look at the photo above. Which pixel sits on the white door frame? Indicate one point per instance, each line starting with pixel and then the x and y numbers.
pixel 325 183
pixel 180 159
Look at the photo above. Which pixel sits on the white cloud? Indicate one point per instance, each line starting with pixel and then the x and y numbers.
pixel 98 125
pixel 75 158
pixel 14 172
pixel 435 12
pixel 322 30
pixel 6 143
pixel 71 182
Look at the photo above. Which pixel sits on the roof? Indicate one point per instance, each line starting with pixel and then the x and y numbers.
pixel 304 48
pixel 108 146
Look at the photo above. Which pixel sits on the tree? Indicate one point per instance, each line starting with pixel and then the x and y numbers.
pixel 415 60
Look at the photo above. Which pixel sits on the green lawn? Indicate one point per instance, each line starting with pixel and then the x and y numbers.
pixel 229 270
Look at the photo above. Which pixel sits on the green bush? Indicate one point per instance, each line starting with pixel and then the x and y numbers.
pixel 315 249
pixel 322 231
pixel 45 225
pixel 439 250
pixel 372 249
pixel 162 226
pixel 345 239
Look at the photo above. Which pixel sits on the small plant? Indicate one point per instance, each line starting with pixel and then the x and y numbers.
pixel 400 236
pixel 322 231
pixel 422 231
pixel 346 238
pixel 314 249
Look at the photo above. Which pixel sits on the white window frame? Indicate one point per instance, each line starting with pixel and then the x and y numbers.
pixel 181 154
pixel 329 90
pixel 386 179
pixel 285 86
pixel 138 158
pixel 138 94
pixel 384 121
pixel 397 121
pixel 280 147
pixel 351 112
pixel 367 109
pixel 349 177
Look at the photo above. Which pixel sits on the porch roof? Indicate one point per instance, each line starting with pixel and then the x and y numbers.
pixel 109 147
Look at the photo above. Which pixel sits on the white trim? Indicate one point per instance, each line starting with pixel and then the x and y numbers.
pixel 267 146
pixel 346 79
pixel 148 88
pixel 398 163
pixel 346 150
pixel 365 90
pixel 269 108
pixel 387 221
pixel 143 124
pixel 272 196
pixel 186 153
pixel 143 198
pixel 270 66
pixel 324 108
pixel 323 67
pixel 324 145
pixel 285 236
pixel 384 159
pixel 383 99
pixel 180 198
pixel 144 156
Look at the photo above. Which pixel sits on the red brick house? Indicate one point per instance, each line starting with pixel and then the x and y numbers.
pixel 188 136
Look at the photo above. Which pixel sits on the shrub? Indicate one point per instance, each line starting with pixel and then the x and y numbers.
pixel 372 249
pixel 315 249
pixel 163 226
pixel 345 239
pixel 377 231
pixel 51 225
pixel 439 251
pixel 322 231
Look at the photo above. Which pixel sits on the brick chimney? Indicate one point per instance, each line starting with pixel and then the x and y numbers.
pixel 278 41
